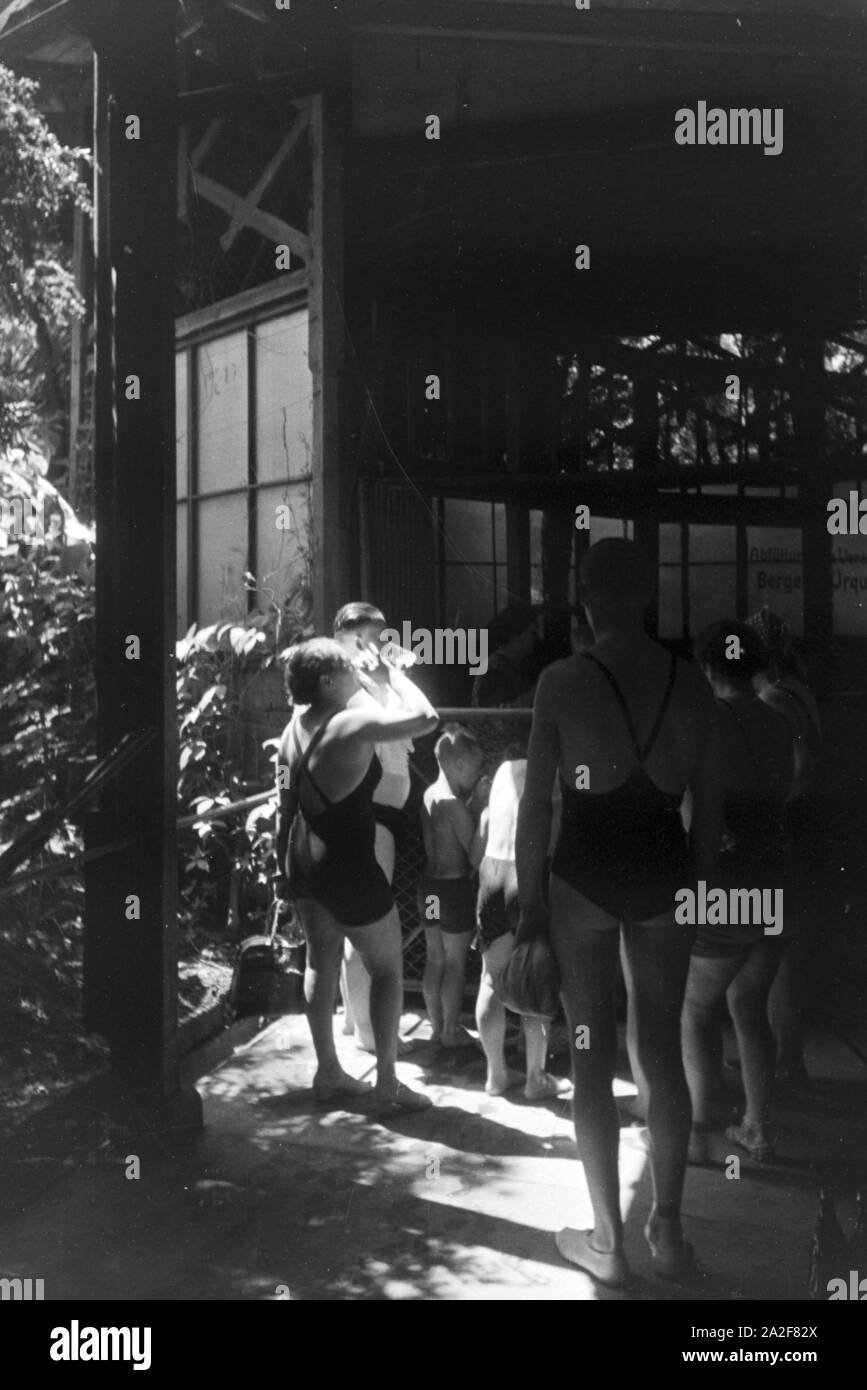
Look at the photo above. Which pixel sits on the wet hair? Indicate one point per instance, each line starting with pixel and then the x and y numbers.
pixel 307 663
pixel 614 569
pixel 510 622
pixel 456 742
pixel 353 615
pixel 709 649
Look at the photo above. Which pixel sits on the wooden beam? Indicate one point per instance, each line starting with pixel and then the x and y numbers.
pixel 183 175
pixel 208 141
pixel 809 414
pixel 131 960
pixel 517 513
pixel 272 228
pixel 330 521
pixel 266 178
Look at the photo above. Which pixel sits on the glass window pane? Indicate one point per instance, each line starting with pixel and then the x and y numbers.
pixel 222 367
pixel 670 616
pixel 469 596
pixel 504 598
pixel 222 534
pixel 183 621
pixel 499 522
pixel 281 555
pixel 669 544
pixel 181 441
pixel 712 543
pixel 602 526
pixel 849 576
pixel 535 537
pixel 712 595
pixel 774 573
pixel 284 398
pixel 468 531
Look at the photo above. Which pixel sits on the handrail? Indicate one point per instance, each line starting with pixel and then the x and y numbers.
pixel 65 866
pixel 35 836
pixel 458 712
pixel 128 748
pixel 231 809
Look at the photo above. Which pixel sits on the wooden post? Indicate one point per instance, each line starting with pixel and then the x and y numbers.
pixel 331 482
pixel 517 515
pixel 814 491
pixel 131 906
pixel 646 528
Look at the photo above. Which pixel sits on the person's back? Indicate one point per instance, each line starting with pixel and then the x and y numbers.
pixel 630 722
pixel 629 729
pixel 506 791
pixel 757 762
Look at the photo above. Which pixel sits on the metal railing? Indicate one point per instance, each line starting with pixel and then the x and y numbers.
pixel 409 859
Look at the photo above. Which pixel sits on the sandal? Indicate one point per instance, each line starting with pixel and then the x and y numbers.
pixel 401 1098
pixel 753 1139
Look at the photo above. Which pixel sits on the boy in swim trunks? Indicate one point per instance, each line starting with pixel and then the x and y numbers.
pixel 446 895
pixel 497 916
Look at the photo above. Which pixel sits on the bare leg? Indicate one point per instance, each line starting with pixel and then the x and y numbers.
pixel 657 957
pixel 540 1085
pixel 357 993
pixel 787 1013
pixel 348 1021
pixel 432 980
pixel 355 980
pixel 491 1016
pixel 709 978
pixel 585 941
pixel 324 950
pixel 640 1102
pixel 455 947
pixel 748 1005
pixel 381 948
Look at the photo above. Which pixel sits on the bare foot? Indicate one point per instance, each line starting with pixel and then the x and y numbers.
pixel 499 1085
pixel 672 1256
pixel 606 1267
pixel 399 1097
pixel 548 1088
pixel 328 1085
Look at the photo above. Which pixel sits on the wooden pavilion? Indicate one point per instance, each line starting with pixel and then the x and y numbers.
pixel 359 224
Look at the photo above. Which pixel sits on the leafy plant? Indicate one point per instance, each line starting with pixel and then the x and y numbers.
pixel 39 183
pixel 225 862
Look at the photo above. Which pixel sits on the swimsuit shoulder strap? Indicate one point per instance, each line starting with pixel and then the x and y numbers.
pixel 642 754
pixel 304 758
pixel 757 772
pixel 663 708
pixel 618 695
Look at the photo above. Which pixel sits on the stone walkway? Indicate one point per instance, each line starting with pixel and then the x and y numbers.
pixel 282 1198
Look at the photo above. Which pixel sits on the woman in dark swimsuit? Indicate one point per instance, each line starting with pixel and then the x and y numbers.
pixel 739 962
pixel 629 728
pixel 344 892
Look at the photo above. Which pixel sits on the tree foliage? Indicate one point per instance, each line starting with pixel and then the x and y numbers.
pixel 39 183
